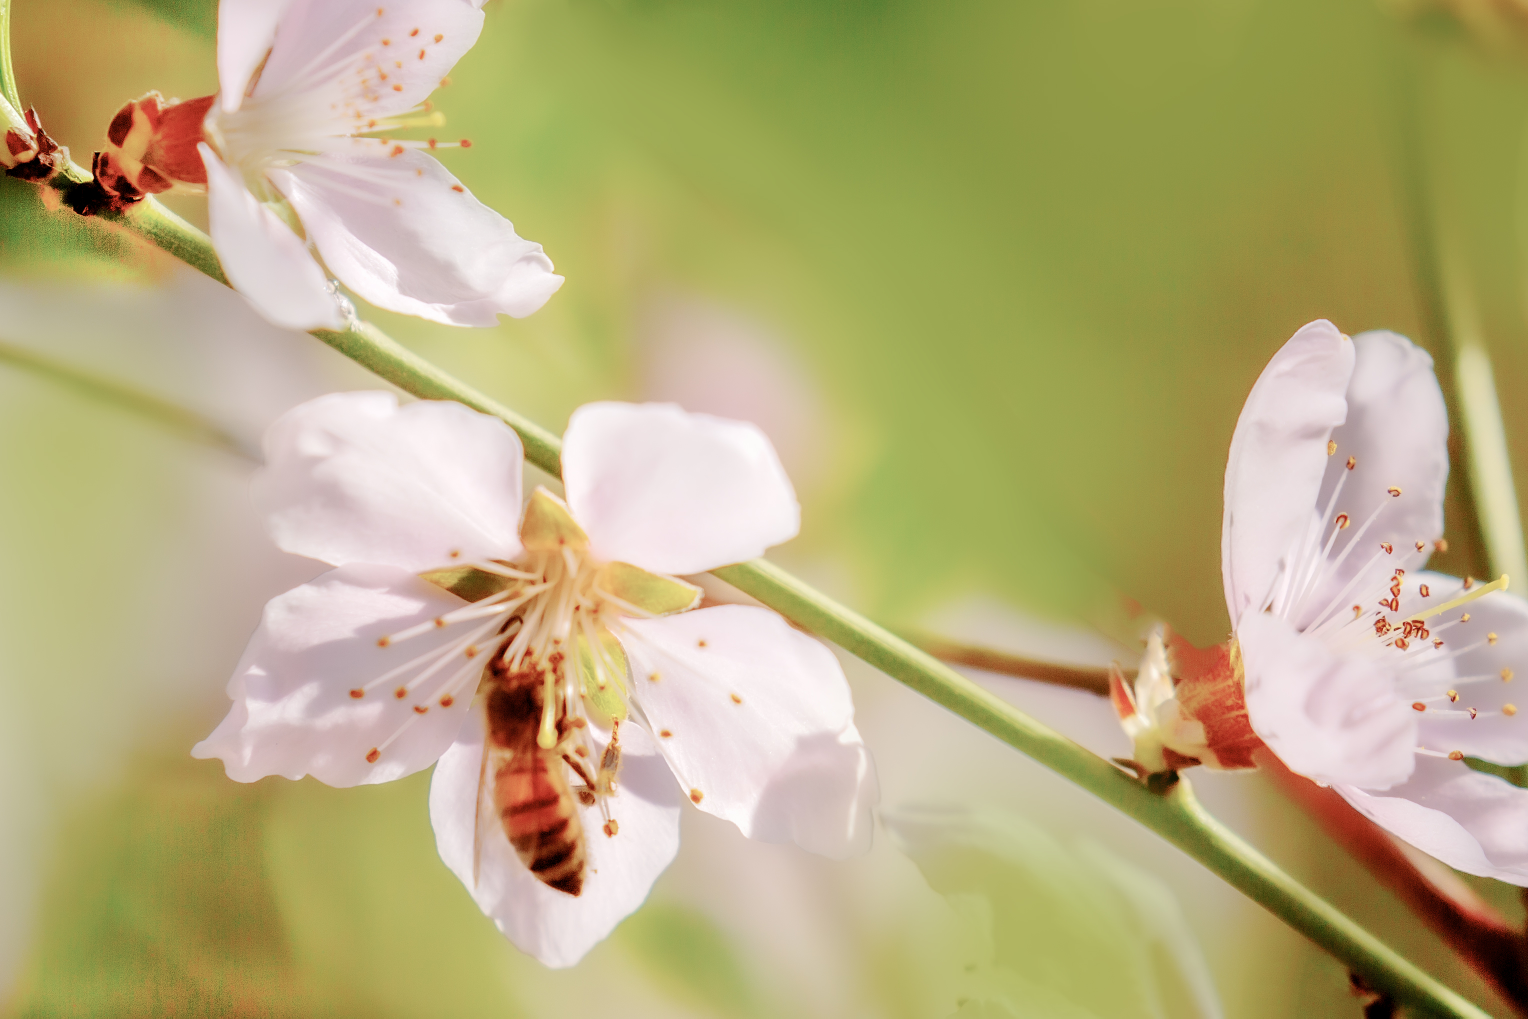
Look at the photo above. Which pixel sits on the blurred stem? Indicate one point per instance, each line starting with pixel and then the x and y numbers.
pixel 1485 434
pixel 1173 813
pixel 7 73
pixel 1447 308
pixel 188 424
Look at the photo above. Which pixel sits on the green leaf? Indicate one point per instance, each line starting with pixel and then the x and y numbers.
pixel 160 904
pixel 690 958
pixel 1070 932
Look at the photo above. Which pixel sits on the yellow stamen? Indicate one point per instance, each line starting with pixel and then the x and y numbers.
pixel 1499 584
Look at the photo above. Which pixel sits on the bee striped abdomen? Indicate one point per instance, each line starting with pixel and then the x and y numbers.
pixel 540 818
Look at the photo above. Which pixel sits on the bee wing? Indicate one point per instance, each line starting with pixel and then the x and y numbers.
pixel 486 811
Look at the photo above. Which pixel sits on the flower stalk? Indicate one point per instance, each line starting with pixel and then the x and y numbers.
pixel 7 72
pixel 1172 812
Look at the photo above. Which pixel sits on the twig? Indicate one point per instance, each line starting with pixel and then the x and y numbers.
pixel 1093 680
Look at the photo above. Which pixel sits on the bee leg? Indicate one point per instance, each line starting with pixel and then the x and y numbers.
pixel 580 769
pixel 610 764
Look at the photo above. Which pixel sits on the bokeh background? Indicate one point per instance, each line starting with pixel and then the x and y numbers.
pixel 996 276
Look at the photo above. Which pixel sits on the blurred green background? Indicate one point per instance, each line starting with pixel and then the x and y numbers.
pixel 995 275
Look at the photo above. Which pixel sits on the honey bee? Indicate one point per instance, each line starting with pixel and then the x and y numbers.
pixel 530 788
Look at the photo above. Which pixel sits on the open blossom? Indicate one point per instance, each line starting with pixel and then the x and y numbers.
pixel 548 660
pixel 1362 670
pixel 312 92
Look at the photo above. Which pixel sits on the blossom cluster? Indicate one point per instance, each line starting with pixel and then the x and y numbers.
pixel 547 656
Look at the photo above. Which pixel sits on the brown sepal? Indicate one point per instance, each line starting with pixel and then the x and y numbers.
pixel 177 131
pixel 45 163
pixel 1211 689
pixel 1120 694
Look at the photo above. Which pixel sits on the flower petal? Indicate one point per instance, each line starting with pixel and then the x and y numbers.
pixel 1471 821
pixel 1278 456
pixel 246 29
pixel 674 492
pixel 1329 718
pixel 555 927
pixel 387 51
pixel 353 477
pixel 404 234
pixel 264 260
pixel 1397 433
pixel 1480 675
pixel 759 725
pixel 294 712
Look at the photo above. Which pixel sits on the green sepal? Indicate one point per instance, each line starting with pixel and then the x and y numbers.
pixel 609 702
pixel 468 582
pixel 548 525
pixel 650 592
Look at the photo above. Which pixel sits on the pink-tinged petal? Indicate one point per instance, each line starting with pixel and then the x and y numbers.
pixel 1329 718
pixel 404 234
pixel 1278 456
pixel 380 53
pixel 1470 821
pixel 1482 674
pixel 246 29
pixel 557 928
pixel 263 259
pixel 756 721
pixel 295 709
pixel 1397 434
pixel 674 492
pixel 354 477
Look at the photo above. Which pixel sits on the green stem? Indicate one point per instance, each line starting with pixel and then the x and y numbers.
pixel 1175 814
pixel 7 72
pixel 186 423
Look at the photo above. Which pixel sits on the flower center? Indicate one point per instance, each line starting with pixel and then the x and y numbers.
pixel 1377 612
pixel 339 107
pixel 550 613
